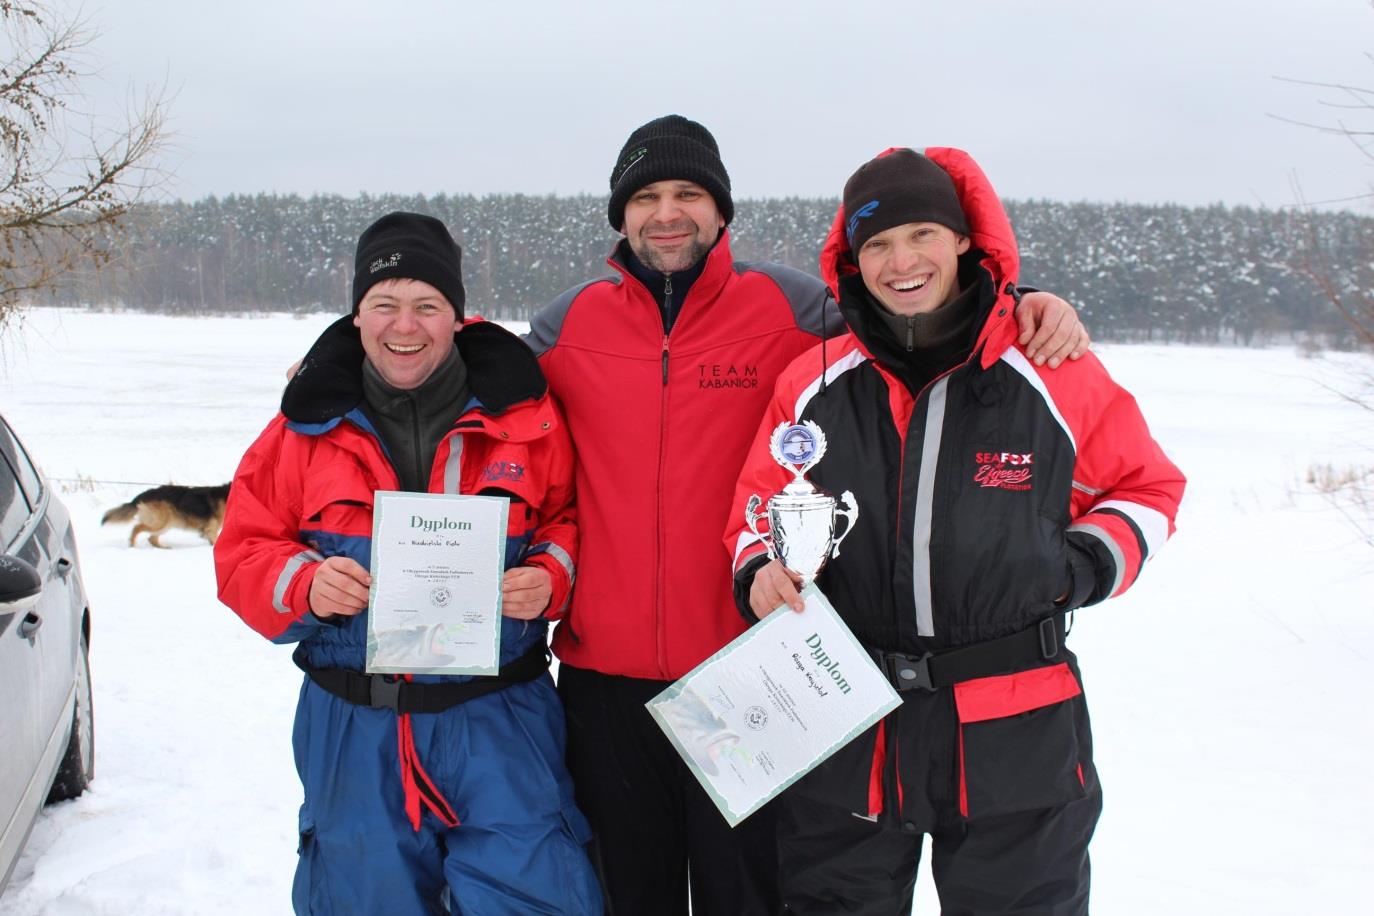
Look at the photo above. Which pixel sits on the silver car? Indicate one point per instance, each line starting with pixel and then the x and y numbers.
pixel 47 749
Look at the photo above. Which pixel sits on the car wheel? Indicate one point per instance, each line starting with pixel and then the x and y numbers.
pixel 78 763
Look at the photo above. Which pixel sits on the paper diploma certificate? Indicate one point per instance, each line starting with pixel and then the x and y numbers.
pixel 762 712
pixel 435 601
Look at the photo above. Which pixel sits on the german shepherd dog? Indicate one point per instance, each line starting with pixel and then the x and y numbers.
pixel 171 506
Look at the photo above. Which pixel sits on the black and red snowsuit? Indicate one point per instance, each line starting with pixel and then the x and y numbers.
pixel 992 499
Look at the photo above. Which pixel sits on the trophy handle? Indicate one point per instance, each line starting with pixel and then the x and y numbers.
pixel 752 514
pixel 846 507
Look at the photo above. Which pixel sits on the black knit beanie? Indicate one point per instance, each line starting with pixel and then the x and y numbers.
pixel 412 246
pixel 899 188
pixel 667 148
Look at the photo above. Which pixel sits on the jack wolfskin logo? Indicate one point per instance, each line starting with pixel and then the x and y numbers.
pixel 1004 470
pixel 384 263
pixel 503 470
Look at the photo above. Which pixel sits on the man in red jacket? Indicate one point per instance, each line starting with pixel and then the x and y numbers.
pixel 663 370
pixel 429 790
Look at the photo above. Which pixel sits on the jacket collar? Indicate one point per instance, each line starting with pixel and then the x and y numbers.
pixel 719 266
pixel 502 372
pixel 879 342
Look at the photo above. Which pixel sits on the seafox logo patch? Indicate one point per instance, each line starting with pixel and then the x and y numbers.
pixel 1004 470
pixel 503 470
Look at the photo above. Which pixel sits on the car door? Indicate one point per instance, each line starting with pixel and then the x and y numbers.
pixel 57 638
pixel 19 678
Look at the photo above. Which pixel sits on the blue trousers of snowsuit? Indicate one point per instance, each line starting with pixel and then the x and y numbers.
pixel 498 759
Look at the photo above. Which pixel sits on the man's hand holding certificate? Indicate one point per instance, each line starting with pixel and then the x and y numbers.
pixel 762 712
pixel 436 584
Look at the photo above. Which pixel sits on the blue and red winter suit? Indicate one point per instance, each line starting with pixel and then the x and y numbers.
pixel 503 834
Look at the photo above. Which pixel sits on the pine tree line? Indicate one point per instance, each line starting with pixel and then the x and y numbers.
pixel 1165 273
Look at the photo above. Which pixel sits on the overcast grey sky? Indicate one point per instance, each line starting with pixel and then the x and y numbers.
pixel 1148 101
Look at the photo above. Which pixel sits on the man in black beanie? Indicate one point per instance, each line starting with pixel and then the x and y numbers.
pixel 664 370
pixel 670 155
pixel 435 790
pixel 994 498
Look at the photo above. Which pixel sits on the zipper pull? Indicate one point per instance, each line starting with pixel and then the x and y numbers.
pixel 668 317
pixel 665 359
pixel 910 334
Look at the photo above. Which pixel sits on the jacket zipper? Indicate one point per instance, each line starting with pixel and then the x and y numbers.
pixel 660 632
pixel 659 610
pixel 662 622
pixel 667 312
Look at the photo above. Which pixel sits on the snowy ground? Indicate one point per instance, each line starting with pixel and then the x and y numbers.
pixel 1230 690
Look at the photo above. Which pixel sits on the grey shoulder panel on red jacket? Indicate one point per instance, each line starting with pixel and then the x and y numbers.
pixel 814 310
pixel 547 323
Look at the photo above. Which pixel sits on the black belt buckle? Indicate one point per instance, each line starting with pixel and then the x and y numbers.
pixel 1049 638
pixel 908 672
pixel 383 693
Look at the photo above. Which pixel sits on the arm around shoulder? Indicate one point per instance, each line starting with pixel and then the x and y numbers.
pixel 1050 328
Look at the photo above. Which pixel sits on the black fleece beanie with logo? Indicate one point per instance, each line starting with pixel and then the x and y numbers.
pixel 411 246
pixel 899 188
pixel 667 148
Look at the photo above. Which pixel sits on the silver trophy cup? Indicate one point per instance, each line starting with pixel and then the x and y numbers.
pixel 801 518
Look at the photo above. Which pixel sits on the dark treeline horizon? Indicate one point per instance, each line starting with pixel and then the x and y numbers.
pixel 1136 271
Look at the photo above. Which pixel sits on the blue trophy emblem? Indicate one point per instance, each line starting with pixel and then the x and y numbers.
pixel 801 518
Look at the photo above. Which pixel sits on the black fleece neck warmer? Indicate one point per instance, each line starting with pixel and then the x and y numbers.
pixel 411 422
pixel 947 325
pixel 922 347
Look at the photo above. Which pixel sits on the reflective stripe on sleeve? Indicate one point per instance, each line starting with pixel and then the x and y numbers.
pixel 559 554
pixel 746 540
pixel 288 573
pixel 1153 524
pixel 1118 558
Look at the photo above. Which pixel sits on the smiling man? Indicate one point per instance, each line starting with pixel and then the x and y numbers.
pixel 913 269
pixel 995 496
pixel 671 225
pixel 407 329
pixel 443 792
pixel 663 370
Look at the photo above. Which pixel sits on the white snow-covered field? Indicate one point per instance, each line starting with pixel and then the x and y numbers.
pixel 1231 689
